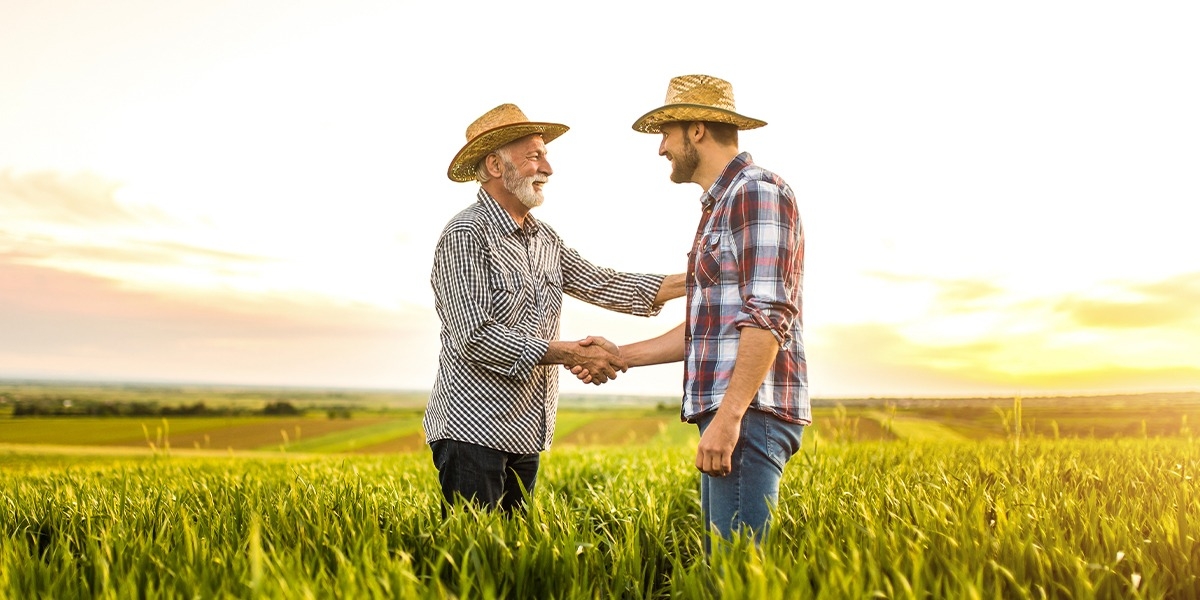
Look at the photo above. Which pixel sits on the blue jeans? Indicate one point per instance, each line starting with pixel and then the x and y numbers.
pixel 489 477
pixel 744 499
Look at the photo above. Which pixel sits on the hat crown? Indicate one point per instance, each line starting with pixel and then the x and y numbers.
pixel 704 90
pixel 505 114
pixel 696 98
pixel 501 125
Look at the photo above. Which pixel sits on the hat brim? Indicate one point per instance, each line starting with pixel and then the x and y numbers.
pixel 462 168
pixel 653 121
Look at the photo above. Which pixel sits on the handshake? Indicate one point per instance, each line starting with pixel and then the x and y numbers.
pixel 593 359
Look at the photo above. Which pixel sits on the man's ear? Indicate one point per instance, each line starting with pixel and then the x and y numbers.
pixel 492 163
pixel 696 131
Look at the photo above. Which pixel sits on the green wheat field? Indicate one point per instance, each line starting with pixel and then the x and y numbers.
pixel 1092 497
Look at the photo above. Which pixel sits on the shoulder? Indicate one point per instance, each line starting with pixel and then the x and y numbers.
pixel 467 228
pixel 758 193
pixel 759 181
pixel 471 218
pixel 762 190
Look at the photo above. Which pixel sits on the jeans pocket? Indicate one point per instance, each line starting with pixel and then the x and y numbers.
pixel 783 440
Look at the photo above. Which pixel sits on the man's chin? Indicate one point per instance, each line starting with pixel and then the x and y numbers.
pixel 533 201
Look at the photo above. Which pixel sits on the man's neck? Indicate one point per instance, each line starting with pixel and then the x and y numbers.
pixel 712 164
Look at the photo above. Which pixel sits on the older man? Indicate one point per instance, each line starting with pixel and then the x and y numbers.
pixel 498 279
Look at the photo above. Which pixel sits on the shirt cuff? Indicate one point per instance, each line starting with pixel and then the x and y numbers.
pixel 756 319
pixel 648 287
pixel 531 355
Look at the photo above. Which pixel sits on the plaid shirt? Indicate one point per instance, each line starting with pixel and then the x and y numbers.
pixel 745 270
pixel 498 292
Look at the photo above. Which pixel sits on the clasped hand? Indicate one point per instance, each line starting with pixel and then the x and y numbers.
pixel 604 361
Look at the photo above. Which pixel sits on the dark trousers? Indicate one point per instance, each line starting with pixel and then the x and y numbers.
pixel 492 478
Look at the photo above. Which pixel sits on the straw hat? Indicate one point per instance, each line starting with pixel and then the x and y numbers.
pixel 495 128
pixel 696 98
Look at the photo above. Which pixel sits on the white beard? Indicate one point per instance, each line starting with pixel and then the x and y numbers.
pixel 522 187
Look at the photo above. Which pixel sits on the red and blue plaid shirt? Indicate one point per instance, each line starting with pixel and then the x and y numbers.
pixel 745 269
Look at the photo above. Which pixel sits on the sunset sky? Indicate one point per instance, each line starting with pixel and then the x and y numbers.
pixel 998 198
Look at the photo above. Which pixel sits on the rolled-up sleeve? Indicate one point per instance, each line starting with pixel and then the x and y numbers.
pixel 763 222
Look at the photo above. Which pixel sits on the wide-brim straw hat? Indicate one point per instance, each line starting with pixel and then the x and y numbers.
pixel 497 127
pixel 696 98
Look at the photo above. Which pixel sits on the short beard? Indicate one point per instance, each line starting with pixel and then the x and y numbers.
pixel 684 167
pixel 522 187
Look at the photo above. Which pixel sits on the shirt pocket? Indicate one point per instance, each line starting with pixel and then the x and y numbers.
pixel 714 261
pixel 552 295
pixel 504 289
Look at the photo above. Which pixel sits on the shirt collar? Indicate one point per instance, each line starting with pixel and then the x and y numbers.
pixel 725 180
pixel 501 220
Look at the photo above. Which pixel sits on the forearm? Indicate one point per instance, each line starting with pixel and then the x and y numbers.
pixel 666 348
pixel 560 353
pixel 672 287
pixel 757 349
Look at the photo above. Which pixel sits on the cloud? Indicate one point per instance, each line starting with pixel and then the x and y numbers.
pixel 78 200
pixel 75 223
pixel 131 252
pixel 876 359
pixel 1168 302
pixel 971 336
pixel 961 294
pixel 949 294
pixel 67 325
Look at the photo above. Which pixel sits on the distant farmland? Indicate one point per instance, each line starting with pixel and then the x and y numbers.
pixel 382 422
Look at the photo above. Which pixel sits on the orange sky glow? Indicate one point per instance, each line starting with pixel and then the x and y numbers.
pixel 998 200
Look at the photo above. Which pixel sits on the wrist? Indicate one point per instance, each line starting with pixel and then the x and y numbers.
pixel 632 355
pixel 732 410
pixel 559 353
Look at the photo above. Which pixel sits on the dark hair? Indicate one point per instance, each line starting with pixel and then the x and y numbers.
pixel 725 134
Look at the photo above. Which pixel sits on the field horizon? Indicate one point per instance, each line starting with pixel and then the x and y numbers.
pixel 94 418
pixel 150 386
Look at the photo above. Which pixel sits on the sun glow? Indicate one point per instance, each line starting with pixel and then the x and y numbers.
pixel 981 217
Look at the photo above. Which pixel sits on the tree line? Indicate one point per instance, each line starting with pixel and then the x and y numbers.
pixel 68 407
